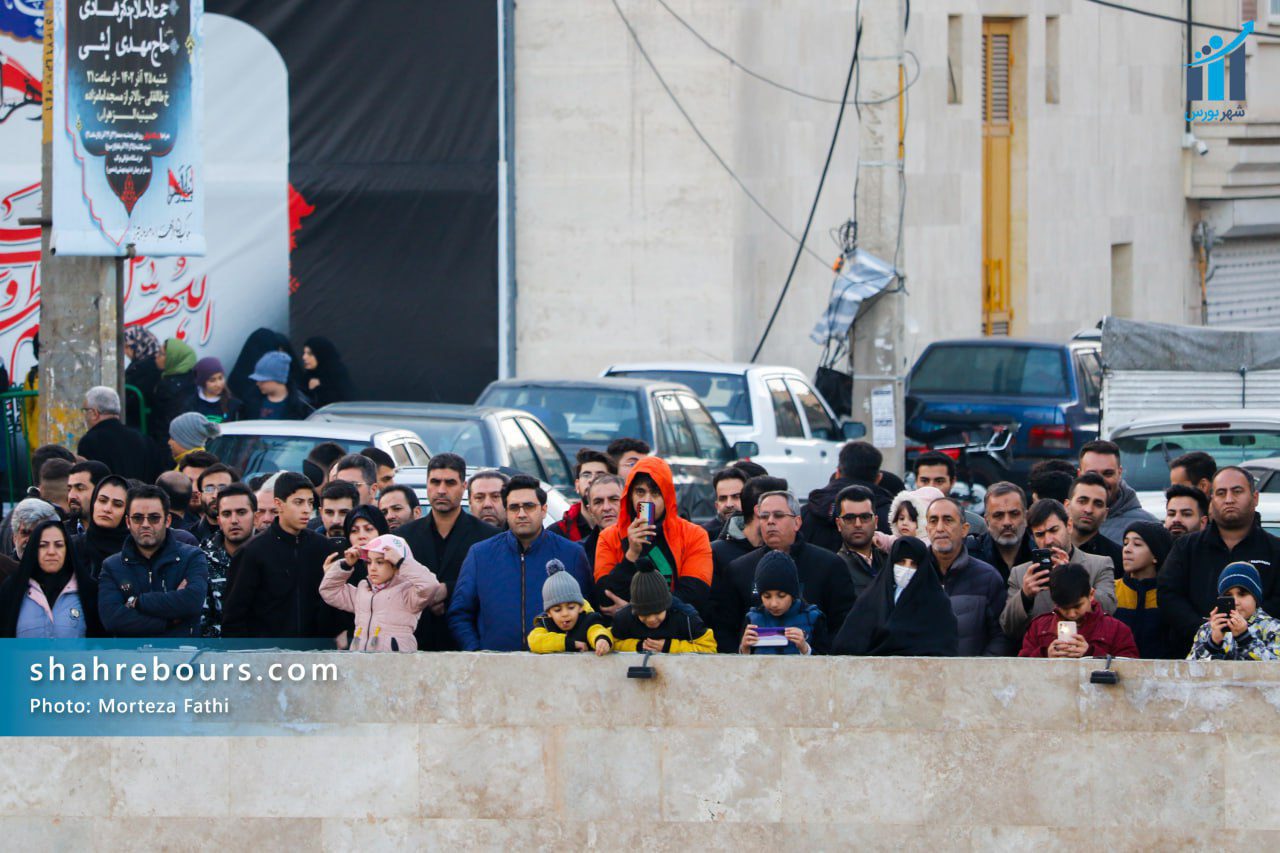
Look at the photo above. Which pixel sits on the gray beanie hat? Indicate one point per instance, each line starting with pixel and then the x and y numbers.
pixel 560 587
pixel 192 429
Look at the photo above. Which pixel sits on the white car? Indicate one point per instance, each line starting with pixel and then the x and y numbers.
pixel 776 407
pixel 264 447
pixel 1244 437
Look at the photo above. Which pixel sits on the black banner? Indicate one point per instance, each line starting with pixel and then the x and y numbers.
pixel 393 119
pixel 128 76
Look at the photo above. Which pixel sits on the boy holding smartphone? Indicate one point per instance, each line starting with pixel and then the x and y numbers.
pixel 783 623
pixel 1238 627
pixel 1077 626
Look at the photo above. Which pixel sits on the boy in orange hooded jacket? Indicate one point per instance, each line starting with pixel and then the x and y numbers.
pixel 678 549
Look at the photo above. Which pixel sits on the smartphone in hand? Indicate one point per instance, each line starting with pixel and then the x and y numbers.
pixel 646 510
pixel 1225 604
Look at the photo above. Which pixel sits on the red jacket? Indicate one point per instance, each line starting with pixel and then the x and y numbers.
pixel 573 526
pixel 1105 634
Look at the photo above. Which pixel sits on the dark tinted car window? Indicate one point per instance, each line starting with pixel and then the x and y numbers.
pixel 1008 371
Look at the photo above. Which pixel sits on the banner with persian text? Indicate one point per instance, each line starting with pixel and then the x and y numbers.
pixel 127 108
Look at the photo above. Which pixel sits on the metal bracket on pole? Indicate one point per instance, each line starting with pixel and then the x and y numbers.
pixel 42 221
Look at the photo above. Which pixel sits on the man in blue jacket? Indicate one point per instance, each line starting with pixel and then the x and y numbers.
pixel 499 589
pixel 155 586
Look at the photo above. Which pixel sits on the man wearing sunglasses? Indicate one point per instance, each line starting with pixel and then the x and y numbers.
pixel 155 586
pixel 856 521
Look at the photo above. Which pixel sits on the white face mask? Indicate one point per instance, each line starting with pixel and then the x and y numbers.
pixel 902 575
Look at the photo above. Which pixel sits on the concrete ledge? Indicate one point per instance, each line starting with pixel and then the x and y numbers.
pixel 525 751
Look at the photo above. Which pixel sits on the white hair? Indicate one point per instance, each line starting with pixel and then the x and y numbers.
pixel 31 511
pixel 103 399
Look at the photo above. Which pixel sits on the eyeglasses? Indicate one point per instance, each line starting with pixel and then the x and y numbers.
pixel 860 517
pixel 215 490
pixel 527 508
pixel 153 519
pixel 774 516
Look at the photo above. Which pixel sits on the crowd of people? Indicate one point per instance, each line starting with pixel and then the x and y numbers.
pixel 339 555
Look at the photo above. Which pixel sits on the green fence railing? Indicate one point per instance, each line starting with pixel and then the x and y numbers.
pixel 17 433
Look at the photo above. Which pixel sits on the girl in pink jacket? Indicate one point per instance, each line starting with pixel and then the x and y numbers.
pixel 388 603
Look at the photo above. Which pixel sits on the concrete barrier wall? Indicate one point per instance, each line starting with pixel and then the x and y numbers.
pixel 525 752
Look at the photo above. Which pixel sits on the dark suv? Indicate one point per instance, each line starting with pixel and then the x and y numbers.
pixel 1047 394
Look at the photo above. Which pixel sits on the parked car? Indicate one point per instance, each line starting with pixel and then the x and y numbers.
pixel 265 447
pixel 1042 400
pixel 593 412
pixel 485 436
pixel 1249 438
pixel 798 435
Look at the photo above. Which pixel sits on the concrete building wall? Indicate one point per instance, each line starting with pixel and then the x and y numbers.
pixel 623 218
pixel 523 752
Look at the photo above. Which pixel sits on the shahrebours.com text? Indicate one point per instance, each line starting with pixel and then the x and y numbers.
pixel 158 671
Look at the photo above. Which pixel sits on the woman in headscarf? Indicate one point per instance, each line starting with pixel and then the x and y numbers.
pixel 106 531
pixel 326 380
pixel 905 611
pixel 142 348
pixel 49 597
pixel 177 384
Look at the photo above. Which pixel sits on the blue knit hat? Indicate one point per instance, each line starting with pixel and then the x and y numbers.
pixel 1243 575
pixel 272 367
pixel 777 571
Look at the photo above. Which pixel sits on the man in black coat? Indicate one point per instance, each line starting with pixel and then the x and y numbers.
pixel 1187 586
pixel 859 466
pixel 1007 542
pixel 824 580
pixel 124 450
pixel 274 580
pixel 440 541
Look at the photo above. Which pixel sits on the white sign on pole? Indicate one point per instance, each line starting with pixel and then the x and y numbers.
pixel 884 425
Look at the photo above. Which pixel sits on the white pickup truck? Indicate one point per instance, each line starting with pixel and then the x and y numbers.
pixel 776 407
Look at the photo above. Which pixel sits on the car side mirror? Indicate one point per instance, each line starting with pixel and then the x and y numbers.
pixel 745 450
pixel 853 430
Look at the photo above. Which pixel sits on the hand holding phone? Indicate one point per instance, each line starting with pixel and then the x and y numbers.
pixel 771 636
pixel 1225 604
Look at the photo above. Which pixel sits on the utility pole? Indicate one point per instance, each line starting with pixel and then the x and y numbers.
pixel 80 307
pixel 876 339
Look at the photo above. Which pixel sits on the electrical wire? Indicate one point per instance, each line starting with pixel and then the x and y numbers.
pixel 635 37
pixel 822 180
pixel 1183 21
pixel 774 83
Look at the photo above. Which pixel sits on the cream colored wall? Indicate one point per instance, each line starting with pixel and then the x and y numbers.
pixel 625 222
pixel 525 752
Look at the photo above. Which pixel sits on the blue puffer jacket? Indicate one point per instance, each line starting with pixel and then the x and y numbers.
pixel 806 617
pixel 977 596
pixel 64 621
pixel 163 610
pixel 499 589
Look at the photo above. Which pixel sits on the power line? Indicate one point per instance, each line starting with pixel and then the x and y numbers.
pixel 1183 21
pixel 635 37
pixel 813 208
pixel 774 83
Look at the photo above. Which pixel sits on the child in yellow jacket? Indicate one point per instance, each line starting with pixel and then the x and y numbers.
pixel 656 621
pixel 569 624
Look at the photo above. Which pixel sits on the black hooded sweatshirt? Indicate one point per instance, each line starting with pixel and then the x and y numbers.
pixel 819 527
